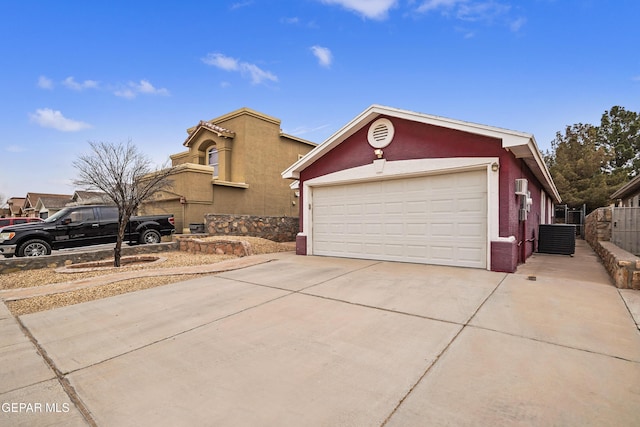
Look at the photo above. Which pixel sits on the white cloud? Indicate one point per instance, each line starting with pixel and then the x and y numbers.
pixel 45 82
pixel 239 5
pixel 481 11
pixel 15 149
pixel 71 83
pixel 255 73
pixel 517 24
pixel 430 5
pixel 372 9
pixel 125 93
pixel 143 87
pixel 221 61
pixel 325 58
pixel 636 78
pixel 302 130
pixel 54 119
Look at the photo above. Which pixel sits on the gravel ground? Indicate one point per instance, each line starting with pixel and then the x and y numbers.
pixel 46 276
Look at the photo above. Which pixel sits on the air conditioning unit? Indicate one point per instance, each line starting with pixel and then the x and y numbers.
pixel 522 187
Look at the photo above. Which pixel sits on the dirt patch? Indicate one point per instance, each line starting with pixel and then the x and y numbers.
pixel 107 265
pixel 46 276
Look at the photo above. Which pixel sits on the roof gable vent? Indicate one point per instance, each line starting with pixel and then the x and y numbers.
pixel 380 133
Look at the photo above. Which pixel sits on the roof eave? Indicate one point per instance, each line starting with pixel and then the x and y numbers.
pixel 629 187
pixel 522 145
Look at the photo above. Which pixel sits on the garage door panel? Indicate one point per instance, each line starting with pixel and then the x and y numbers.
pixel 470 254
pixel 353 209
pixel 472 204
pixel 442 230
pixel 442 253
pixel 471 230
pixel 434 219
pixel 394 229
pixel 354 228
pixel 419 230
pixel 416 206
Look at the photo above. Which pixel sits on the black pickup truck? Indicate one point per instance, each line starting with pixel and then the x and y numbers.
pixel 81 226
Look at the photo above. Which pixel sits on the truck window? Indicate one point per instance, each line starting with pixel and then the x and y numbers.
pixel 82 215
pixel 109 213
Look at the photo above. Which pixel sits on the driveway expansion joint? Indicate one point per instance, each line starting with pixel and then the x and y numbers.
pixel 62 380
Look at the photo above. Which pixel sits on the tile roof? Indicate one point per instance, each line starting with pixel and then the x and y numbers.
pixel 219 130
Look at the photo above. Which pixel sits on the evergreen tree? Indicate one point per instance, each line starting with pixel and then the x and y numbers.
pixel 589 163
pixel 619 134
pixel 576 164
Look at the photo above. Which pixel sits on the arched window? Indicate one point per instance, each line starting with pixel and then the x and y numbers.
pixel 212 159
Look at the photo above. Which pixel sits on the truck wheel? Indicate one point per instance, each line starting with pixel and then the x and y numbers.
pixel 150 237
pixel 34 247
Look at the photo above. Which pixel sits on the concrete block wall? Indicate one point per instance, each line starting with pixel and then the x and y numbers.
pixel 10 265
pixel 622 266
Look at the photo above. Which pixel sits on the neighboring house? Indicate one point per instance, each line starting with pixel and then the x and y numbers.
pixel 232 166
pixel 90 198
pixel 30 206
pixel 629 194
pixel 403 186
pixel 15 206
pixel 47 206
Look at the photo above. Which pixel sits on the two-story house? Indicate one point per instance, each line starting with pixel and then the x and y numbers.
pixel 232 165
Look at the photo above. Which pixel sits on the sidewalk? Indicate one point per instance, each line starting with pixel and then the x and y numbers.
pixel 584 266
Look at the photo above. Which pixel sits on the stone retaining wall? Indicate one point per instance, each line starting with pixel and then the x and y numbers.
pixel 277 229
pixel 10 265
pixel 622 266
pixel 218 247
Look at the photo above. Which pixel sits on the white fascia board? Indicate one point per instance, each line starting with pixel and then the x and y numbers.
pixel 293 172
pixel 509 138
pixel 627 188
pixel 522 144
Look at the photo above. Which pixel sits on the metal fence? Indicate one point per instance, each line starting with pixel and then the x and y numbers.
pixel 625 230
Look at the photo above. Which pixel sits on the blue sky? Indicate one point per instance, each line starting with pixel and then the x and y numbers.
pixel 145 71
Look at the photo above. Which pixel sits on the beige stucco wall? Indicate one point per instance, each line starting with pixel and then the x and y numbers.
pixel 249 180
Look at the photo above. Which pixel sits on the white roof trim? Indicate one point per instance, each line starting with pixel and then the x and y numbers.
pixel 629 187
pixel 522 145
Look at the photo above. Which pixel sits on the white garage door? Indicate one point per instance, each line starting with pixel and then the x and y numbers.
pixel 436 219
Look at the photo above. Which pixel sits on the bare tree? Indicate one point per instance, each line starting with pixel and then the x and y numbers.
pixel 125 175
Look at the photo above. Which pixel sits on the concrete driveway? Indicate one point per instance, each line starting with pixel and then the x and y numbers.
pixel 321 341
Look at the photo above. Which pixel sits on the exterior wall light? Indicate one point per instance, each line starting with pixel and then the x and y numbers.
pixel 495 167
pixel 378 152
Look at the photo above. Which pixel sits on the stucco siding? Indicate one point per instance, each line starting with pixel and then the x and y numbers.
pixel 414 140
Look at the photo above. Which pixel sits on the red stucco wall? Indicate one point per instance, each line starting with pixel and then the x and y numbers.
pixel 415 140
